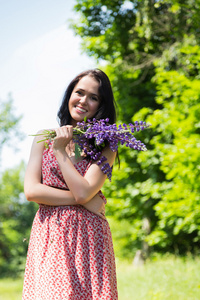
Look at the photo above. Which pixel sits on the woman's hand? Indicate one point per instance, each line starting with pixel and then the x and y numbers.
pixel 83 188
pixel 96 205
pixel 64 135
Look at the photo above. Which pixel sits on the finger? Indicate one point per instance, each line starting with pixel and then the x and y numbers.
pixel 69 129
pixel 101 215
pixel 66 130
pixel 62 132
pixel 58 132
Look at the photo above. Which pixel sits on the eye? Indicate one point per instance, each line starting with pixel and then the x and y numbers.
pixel 94 98
pixel 79 92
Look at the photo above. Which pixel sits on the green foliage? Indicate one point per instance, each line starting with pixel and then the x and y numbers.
pixel 16 217
pixel 166 189
pixel 136 31
pixel 178 143
pixel 152 55
pixel 16 214
pixel 9 124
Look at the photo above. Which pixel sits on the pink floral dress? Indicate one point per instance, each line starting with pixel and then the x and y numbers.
pixel 70 254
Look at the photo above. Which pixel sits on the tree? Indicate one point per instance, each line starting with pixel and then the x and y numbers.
pixel 16 214
pixel 16 217
pixel 9 123
pixel 178 146
pixel 130 36
pixel 152 57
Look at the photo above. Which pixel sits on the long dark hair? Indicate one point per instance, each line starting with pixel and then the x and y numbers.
pixel 107 103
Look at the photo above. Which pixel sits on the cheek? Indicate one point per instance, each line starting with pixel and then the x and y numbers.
pixel 94 106
pixel 71 102
pixel 71 99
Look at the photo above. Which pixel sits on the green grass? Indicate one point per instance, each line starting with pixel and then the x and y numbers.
pixel 11 289
pixel 162 279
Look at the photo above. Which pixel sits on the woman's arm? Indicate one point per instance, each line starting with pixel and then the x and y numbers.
pixel 42 194
pixel 33 188
pixel 82 188
pixel 96 205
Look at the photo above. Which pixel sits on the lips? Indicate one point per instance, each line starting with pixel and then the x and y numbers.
pixel 81 109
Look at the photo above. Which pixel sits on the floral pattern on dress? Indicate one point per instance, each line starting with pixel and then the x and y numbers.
pixel 70 254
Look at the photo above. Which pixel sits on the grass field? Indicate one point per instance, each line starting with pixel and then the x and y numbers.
pixel 162 279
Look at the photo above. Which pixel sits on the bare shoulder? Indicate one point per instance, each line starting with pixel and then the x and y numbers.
pixel 37 144
pixel 40 135
pixel 109 154
pixel 94 174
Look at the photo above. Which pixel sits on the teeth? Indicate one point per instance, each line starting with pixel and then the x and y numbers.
pixel 81 109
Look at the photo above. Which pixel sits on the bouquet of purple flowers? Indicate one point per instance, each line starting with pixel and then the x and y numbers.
pixel 92 136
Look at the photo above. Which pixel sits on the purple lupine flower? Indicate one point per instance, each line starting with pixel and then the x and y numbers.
pixel 99 133
pixel 92 136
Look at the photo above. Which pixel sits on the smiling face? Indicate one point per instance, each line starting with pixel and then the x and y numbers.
pixel 84 100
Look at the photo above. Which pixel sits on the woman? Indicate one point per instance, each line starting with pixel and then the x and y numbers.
pixel 70 253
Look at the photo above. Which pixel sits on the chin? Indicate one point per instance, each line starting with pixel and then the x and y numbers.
pixel 76 119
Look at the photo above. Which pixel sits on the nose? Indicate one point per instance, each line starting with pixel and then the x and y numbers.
pixel 83 99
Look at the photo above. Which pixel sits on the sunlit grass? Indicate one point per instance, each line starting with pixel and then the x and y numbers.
pixel 162 279
pixel 11 289
pixel 166 278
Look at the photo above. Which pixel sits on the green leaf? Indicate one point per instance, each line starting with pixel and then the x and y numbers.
pixel 77 151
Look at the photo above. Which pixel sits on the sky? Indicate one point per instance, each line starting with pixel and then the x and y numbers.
pixel 39 56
